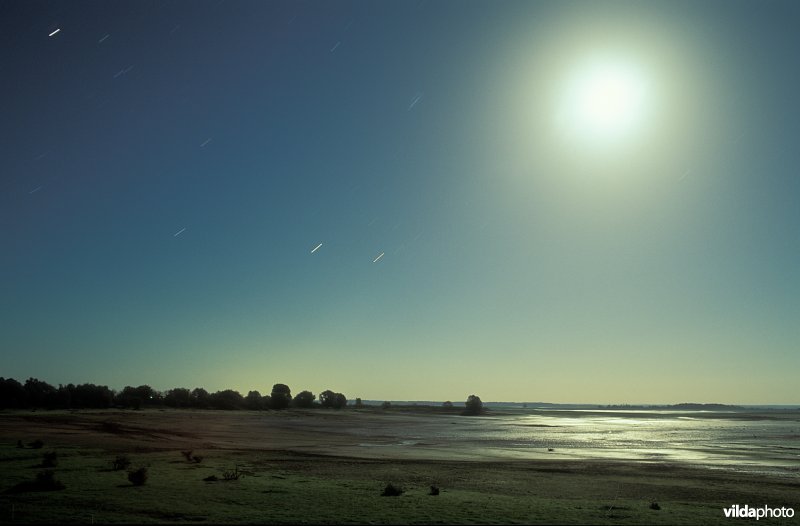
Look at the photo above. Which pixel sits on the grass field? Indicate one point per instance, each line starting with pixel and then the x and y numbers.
pixel 288 476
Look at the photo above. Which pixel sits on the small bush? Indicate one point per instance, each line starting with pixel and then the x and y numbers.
pixel 550 449
pixel 187 455
pixel 138 477
pixel 232 475
pixel 50 459
pixel 434 490
pixel 120 463
pixel 654 506
pixel 211 478
pixel 197 459
pixel 44 481
pixel 36 444
pixel 391 491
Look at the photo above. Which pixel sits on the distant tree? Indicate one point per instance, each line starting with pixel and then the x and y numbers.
pixel 359 404
pixel 339 401
pixel 332 400
pixel 473 405
pixel 178 397
pixel 90 395
pixel 327 398
pixel 128 397
pixel 227 399
pixel 304 400
pixel 448 405
pixel 200 398
pixel 136 397
pixel 63 396
pixel 254 400
pixel 40 394
pixel 386 405
pixel 281 396
pixel 12 394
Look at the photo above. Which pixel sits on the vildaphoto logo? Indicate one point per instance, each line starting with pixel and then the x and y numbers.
pixel 747 512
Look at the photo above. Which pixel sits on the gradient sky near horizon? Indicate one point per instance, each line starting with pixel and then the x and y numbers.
pixel 167 169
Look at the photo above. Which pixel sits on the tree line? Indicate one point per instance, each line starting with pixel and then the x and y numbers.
pixel 35 394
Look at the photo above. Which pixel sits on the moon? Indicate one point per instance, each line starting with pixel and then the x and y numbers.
pixel 605 102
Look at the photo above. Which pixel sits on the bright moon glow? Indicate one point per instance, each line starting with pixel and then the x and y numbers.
pixel 603 102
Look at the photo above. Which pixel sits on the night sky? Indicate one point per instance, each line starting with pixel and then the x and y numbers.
pixel 167 169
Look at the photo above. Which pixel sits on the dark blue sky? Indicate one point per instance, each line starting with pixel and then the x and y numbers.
pixel 518 263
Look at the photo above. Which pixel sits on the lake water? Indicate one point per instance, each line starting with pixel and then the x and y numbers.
pixel 767 441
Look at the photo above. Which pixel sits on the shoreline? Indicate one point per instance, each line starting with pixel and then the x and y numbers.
pixel 300 467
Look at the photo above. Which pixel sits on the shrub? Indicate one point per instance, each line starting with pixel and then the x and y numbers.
pixel 232 475
pixel 36 444
pixel 211 478
pixel 138 477
pixel 434 490
pixel 50 459
pixel 654 506
pixel 187 455
pixel 386 405
pixel 120 463
pixel 46 481
pixel 197 459
pixel 391 491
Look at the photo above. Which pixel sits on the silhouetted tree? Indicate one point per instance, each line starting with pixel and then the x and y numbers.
pixel 339 401
pixel 473 405
pixel 304 400
pixel 12 394
pixel 333 400
pixel 359 404
pixel 40 394
pixel 90 395
pixel 254 400
pixel 227 399
pixel 178 397
pixel 64 396
pixel 200 398
pixel 136 397
pixel 281 396
pixel 327 398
